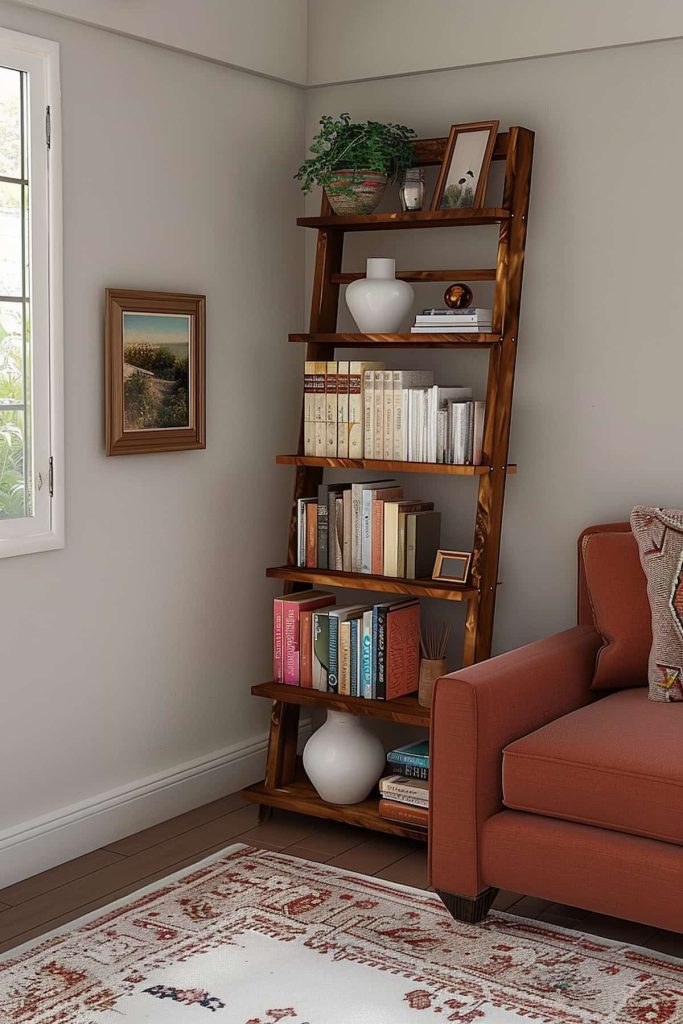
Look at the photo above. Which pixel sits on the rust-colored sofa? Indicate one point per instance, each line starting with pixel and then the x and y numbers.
pixel 543 784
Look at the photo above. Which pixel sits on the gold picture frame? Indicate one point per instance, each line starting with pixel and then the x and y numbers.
pixel 446 564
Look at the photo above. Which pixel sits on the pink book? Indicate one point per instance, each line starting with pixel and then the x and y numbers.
pixel 293 605
pixel 278 663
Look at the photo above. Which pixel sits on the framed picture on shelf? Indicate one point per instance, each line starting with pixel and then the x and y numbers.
pixel 155 386
pixel 452 566
pixel 465 168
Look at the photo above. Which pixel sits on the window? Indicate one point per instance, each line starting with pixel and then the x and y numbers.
pixel 31 468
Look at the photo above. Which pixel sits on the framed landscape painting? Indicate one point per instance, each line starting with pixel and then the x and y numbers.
pixel 154 371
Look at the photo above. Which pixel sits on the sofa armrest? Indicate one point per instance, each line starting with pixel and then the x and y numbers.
pixel 475 713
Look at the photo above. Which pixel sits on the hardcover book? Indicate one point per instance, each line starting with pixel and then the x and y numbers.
pixel 369 493
pixel 423 539
pixel 392 509
pixel 319 408
pixel 343 409
pixel 396 649
pixel 412 753
pixel 411 771
pixel 392 810
pixel 292 605
pixel 321 650
pixel 357 418
pixel 312 535
pixel 336 617
pixel 331 409
pixel 398 787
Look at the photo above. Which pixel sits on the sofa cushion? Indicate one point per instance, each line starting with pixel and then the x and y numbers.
pixel 616 764
pixel 617 592
pixel 659 533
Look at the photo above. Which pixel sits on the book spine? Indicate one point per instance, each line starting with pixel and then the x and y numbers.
pixel 366 532
pixel 312 535
pixel 331 413
pixel 411 771
pixel 323 526
pixel 309 407
pixel 319 408
pixel 392 810
pixel 356 526
pixel 398 416
pixel 403 799
pixel 305 650
pixel 347 529
pixel 390 539
pixel 278 663
pixel 411 543
pixel 345 658
pixel 388 444
pixel 356 625
pixel 381 678
pixel 377 546
pixel 343 409
pixel 331 499
pixel 366 655
pixel 333 659
pixel 378 407
pixel 396 790
pixel 356 435
pixel 368 414
pixel 320 650
pixel 301 532
pixel 398 757
pixel 291 643
pixel 339 533
pixel 478 433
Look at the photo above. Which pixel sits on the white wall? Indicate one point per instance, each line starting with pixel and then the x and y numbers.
pixel 360 39
pixel 131 652
pixel 595 426
pixel 264 36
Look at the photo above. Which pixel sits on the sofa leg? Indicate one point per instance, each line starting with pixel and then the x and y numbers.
pixel 470 909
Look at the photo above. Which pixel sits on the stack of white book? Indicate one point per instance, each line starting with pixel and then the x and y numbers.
pixel 453 321
pixel 444 425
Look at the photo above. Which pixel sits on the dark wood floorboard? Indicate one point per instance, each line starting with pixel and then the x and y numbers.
pixel 86 884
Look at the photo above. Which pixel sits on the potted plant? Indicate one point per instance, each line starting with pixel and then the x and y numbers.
pixel 352 161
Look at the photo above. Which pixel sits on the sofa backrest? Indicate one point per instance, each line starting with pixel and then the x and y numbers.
pixel 612 597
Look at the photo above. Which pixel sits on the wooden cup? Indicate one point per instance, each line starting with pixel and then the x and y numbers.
pixel 430 670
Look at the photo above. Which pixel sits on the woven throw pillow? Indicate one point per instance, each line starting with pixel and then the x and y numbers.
pixel 659 533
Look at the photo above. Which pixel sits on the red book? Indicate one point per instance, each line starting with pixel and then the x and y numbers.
pixel 278 663
pixel 377 526
pixel 402 650
pixel 395 811
pixel 293 605
pixel 306 648
pixel 312 535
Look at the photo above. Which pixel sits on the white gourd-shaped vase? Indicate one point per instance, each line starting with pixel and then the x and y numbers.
pixel 343 759
pixel 379 303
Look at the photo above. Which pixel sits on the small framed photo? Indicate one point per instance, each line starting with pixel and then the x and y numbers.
pixel 155 387
pixel 452 566
pixel 465 168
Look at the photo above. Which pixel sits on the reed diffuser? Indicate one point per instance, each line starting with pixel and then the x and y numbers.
pixel 433 647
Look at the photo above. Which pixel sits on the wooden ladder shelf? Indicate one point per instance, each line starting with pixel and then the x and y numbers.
pixel 284 785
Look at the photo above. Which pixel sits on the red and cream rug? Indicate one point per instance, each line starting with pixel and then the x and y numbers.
pixel 253 937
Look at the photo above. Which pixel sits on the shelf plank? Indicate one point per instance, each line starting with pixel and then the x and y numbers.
pixel 407 340
pixel 395 219
pixel 301 797
pixel 380 584
pixel 404 709
pixel 386 465
pixel 418 276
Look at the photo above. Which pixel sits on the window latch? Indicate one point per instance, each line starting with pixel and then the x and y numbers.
pixel 51 477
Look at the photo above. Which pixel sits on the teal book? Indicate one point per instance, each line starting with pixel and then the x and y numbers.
pixel 416 754
pixel 335 616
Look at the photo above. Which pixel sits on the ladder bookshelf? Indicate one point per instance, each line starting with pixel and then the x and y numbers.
pixel 285 786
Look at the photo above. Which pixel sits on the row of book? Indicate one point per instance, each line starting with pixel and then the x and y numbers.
pixel 453 321
pixel 368 527
pixel 360 410
pixel 354 650
pixel 405 792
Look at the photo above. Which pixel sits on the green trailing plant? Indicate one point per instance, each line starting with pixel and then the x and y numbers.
pixel 342 144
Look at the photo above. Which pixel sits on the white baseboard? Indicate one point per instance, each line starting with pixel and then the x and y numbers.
pixel 42 843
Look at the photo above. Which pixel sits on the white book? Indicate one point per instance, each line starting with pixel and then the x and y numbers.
pixel 331 409
pixel 445 395
pixel 402 380
pixel 478 433
pixel 301 530
pixel 388 415
pixel 378 408
pixel 343 409
pixel 457 329
pixel 462 415
pixel 368 414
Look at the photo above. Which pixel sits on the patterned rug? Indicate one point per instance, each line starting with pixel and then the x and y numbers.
pixel 253 937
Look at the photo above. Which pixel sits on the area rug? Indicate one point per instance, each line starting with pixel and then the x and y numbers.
pixel 254 937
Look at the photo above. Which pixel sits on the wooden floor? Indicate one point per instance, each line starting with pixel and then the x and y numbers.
pixel 55 897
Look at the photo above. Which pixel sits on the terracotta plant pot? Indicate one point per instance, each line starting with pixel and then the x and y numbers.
pixel 430 671
pixel 365 191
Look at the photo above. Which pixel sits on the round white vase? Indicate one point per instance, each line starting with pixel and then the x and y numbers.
pixel 343 759
pixel 378 302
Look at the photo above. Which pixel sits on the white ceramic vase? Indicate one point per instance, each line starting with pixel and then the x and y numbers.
pixel 343 759
pixel 378 302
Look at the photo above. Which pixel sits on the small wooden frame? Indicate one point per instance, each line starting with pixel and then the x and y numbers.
pixel 155 378
pixel 477 153
pixel 452 566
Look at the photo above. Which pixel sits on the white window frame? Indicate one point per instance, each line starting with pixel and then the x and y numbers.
pixel 44 529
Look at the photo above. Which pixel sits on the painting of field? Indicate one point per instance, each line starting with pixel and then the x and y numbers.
pixel 156 354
